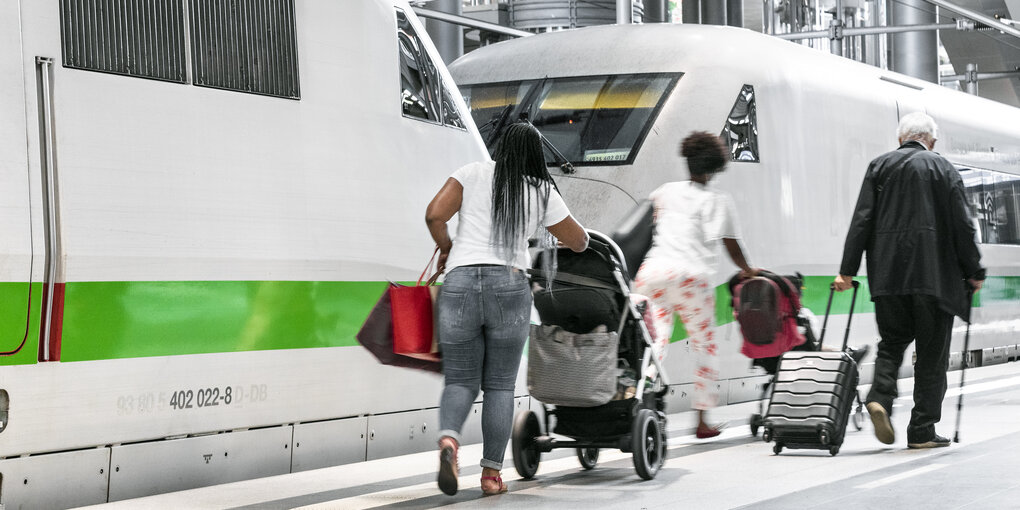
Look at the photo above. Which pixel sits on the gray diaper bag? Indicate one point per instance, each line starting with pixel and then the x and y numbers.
pixel 570 369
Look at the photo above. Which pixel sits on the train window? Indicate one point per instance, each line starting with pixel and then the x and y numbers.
pixel 143 38
pixel 492 104
pixel 245 46
pixel 994 199
pixel 420 85
pixel 423 95
pixel 593 120
pixel 451 116
pixel 741 130
pixel 599 119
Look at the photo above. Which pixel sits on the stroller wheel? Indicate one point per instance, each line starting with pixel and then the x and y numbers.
pixel 588 457
pixel 755 423
pixel 647 444
pixel 524 447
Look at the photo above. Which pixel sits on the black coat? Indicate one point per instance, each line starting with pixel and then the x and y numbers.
pixel 913 220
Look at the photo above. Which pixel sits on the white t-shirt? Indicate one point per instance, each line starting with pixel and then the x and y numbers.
pixel 690 218
pixel 472 243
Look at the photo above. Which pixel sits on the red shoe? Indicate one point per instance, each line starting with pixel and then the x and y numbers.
pixel 705 432
pixel 500 487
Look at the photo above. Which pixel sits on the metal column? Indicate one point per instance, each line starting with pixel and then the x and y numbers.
pixel 448 38
pixel 624 12
pixel 655 11
pixel 735 13
pixel 836 30
pixel 691 11
pixel 972 79
pixel 914 53
pixel 713 12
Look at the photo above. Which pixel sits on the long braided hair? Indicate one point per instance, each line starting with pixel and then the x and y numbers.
pixel 520 165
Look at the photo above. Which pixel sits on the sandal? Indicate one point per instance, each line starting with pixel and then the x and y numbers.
pixel 448 471
pixel 500 489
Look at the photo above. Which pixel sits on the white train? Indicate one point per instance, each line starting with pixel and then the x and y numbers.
pixel 217 197
pixel 803 125
pixel 199 206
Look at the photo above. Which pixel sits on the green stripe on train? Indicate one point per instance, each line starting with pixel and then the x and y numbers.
pixel 111 320
pixel 18 324
pixel 104 320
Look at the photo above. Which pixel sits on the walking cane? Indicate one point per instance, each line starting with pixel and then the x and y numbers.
pixel 963 370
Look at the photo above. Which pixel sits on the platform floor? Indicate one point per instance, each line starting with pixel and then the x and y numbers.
pixel 733 470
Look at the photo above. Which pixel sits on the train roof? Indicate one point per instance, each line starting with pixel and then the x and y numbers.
pixel 721 56
pixel 623 49
pixel 636 48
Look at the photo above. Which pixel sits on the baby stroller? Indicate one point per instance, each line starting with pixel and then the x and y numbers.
pixel 590 333
pixel 790 289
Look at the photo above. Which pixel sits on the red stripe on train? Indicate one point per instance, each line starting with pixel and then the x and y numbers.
pixel 56 322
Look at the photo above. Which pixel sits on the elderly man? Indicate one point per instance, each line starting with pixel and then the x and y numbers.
pixel 923 262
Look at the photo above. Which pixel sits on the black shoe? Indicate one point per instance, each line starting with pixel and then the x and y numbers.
pixel 935 442
pixel 858 354
pixel 448 472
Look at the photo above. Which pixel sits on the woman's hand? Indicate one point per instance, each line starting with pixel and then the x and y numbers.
pixel 441 262
pixel 750 272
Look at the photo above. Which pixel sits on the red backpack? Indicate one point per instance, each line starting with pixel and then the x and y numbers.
pixel 766 308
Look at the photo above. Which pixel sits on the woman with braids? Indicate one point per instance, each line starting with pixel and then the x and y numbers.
pixel 690 219
pixel 485 300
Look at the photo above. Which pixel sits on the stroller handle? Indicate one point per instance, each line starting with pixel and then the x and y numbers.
pixel 608 241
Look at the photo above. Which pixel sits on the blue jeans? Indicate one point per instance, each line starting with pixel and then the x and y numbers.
pixel 484 317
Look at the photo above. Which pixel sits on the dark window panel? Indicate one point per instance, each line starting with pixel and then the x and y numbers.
pixel 245 45
pixel 129 37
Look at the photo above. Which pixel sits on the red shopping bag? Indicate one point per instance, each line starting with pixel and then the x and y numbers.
pixel 376 335
pixel 414 326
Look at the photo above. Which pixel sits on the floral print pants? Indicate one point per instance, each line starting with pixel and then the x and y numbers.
pixel 690 296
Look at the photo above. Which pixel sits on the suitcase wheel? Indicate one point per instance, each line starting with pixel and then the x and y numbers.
pixel 777 449
pixel 766 434
pixel 833 450
pixel 823 437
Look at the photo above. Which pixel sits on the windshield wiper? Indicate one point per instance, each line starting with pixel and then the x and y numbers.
pixel 565 165
pixel 497 123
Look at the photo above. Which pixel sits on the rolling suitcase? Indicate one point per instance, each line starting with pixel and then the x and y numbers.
pixel 813 394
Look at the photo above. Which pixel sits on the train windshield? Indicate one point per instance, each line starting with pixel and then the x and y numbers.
pixel 592 120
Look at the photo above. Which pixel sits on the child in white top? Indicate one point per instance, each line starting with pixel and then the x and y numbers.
pixel 690 220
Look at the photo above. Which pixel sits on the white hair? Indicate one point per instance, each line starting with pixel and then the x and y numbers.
pixel 915 126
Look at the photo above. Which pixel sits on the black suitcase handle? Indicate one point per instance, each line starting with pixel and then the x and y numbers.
pixel 828 307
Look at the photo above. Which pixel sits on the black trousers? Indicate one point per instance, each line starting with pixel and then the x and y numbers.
pixel 905 319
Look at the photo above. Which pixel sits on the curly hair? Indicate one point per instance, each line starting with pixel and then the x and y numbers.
pixel 705 153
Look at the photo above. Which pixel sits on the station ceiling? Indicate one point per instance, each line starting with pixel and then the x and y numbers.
pixel 989 49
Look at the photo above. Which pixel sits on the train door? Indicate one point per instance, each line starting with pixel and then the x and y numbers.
pixel 15 212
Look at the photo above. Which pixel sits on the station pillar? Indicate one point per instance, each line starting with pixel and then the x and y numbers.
pixel 713 12
pixel 655 11
pixel 735 13
pixel 448 38
pixel 914 53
